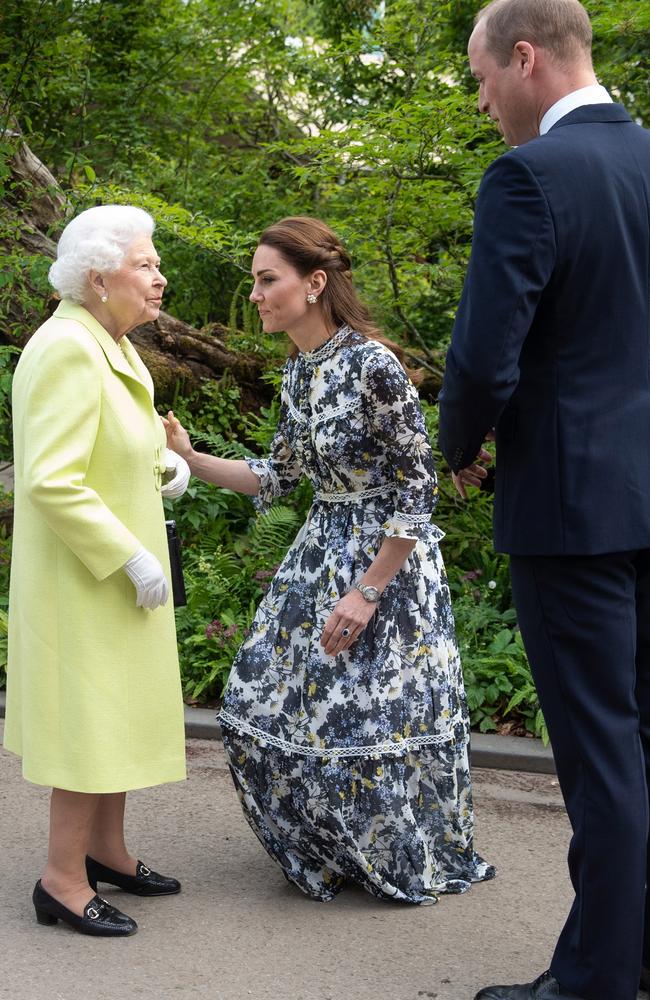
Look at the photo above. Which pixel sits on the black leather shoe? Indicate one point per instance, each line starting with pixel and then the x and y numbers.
pixel 544 988
pixel 145 882
pixel 100 918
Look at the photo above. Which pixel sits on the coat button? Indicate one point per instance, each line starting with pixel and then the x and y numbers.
pixel 159 471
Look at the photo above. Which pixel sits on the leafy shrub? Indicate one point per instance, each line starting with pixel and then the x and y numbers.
pixel 229 555
pixel 498 680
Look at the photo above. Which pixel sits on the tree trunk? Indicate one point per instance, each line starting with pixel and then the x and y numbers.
pixel 177 355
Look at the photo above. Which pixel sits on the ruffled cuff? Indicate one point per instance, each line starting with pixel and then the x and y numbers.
pixel 269 485
pixel 413 526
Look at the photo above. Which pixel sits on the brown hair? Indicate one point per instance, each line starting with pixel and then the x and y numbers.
pixel 560 26
pixel 310 245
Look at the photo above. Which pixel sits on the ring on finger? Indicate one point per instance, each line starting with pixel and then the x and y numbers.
pixel 345 632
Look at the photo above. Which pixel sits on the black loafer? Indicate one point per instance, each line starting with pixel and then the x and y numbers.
pixel 145 882
pixel 100 918
pixel 544 988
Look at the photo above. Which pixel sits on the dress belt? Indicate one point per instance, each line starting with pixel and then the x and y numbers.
pixel 354 497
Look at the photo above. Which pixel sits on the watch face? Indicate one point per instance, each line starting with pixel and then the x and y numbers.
pixel 370 593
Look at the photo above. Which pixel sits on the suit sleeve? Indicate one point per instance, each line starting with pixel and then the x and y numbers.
pixel 62 408
pixel 512 260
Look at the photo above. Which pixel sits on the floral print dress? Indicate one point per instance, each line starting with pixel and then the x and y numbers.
pixel 355 767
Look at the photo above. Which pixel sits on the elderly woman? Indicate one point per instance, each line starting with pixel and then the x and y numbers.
pixel 93 691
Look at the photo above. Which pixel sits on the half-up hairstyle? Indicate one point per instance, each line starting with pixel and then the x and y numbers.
pixel 310 245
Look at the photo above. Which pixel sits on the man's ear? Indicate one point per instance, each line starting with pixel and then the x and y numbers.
pixel 524 54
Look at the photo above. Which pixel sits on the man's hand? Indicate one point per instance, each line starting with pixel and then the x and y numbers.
pixel 472 475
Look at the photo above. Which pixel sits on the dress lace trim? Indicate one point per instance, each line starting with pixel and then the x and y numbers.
pixel 394 747
pixel 355 497
pixel 320 418
pixel 327 349
pixel 413 518
pixel 295 413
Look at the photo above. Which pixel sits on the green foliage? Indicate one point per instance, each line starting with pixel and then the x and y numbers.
pixel 498 681
pixel 23 271
pixel 220 116
pixel 8 355
pixel 229 555
pixel 225 584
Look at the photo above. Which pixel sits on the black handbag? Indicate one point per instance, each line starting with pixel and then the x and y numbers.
pixel 176 565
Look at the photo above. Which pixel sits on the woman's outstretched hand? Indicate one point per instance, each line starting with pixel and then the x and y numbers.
pixel 178 439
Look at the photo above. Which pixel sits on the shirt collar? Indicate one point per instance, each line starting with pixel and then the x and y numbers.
pixel 594 94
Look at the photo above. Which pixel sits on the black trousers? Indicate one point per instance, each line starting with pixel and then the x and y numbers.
pixel 585 621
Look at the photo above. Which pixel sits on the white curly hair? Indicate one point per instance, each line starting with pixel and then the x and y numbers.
pixel 95 239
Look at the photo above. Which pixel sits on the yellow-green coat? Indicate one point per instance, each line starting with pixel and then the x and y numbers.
pixel 93 689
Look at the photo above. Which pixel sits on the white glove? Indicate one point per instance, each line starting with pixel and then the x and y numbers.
pixel 176 486
pixel 148 577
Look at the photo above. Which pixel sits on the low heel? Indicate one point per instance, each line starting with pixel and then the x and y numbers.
pixel 45 918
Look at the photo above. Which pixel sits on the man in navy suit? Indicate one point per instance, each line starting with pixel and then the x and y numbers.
pixel 551 349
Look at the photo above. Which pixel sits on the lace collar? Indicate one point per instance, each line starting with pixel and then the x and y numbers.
pixel 326 350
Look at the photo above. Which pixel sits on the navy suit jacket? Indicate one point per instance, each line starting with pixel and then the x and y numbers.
pixel 551 344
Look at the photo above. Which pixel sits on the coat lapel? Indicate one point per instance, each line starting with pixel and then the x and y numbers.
pixel 123 357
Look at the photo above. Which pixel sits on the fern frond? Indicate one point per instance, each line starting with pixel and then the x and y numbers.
pixel 274 531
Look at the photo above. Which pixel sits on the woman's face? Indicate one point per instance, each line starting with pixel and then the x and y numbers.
pixel 135 290
pixel 279 292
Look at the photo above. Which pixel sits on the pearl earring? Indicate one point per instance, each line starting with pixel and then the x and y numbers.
pixel 104 298
pixel 312 299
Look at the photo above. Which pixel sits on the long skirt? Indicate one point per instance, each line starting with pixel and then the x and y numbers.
pixel 401 826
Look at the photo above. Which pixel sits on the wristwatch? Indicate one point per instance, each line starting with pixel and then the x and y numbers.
pixel 370 594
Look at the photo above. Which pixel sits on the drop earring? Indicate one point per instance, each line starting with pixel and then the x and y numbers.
pixel 312 299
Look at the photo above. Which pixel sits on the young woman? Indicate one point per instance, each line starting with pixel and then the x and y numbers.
pixel 344 717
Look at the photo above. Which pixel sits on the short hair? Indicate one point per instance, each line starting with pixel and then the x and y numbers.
pixel 95 239
pixel 562 27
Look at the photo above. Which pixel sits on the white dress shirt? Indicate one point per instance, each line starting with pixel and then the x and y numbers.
pixel 594 94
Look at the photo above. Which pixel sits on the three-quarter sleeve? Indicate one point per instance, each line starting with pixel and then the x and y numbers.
pixel 391 402
pixel 281 471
